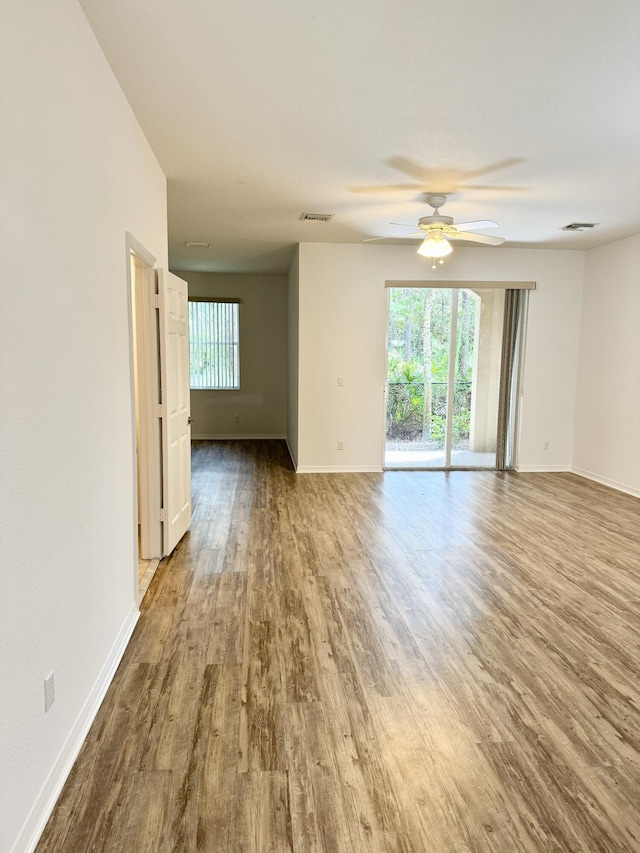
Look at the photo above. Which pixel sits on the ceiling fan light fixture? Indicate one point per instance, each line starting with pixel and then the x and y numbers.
pixel 435 247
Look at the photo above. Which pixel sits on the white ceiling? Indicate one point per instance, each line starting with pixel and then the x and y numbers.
pixel 527 113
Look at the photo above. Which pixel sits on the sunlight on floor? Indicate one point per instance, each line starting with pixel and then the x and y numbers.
pixel 146 571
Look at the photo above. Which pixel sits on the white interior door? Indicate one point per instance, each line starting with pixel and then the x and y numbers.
pixel 175 408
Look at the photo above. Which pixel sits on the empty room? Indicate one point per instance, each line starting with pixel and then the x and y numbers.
pixel 321 496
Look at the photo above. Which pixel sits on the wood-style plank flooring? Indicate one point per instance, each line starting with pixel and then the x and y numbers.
pixel 411 661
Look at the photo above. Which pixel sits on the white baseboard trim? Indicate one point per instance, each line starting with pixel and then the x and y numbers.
pixel 229 437
pixel 543 469
pixel 339 469
pixel 292 455
pixel 48 796
pixel 606 481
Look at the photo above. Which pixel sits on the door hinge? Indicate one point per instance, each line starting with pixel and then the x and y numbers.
pixel 155 300
pixel 161 410
pixel 160 515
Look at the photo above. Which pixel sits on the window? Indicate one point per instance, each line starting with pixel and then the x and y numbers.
pixel 214 343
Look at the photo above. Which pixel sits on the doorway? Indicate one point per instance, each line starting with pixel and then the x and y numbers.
pixel 444 368
pixel 145 399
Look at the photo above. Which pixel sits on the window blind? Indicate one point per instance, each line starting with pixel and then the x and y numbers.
pixel 214 344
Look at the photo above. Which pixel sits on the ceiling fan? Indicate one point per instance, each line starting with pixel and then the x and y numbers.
pixel 437 230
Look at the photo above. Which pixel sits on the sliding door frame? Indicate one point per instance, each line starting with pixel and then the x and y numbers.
pixel 456 287
pixel 451 378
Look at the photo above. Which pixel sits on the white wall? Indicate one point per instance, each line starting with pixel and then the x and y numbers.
pixel 293 323
pixel 261 402
pixel 77 174
pixel 607 423
pixel 342 332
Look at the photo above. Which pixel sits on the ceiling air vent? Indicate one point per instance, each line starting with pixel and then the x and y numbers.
pixel 580 226
pixel 316 217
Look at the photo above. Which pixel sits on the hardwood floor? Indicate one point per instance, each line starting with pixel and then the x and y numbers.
pixel 363 662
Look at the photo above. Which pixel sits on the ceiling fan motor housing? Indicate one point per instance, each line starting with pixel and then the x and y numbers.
pixel 429 221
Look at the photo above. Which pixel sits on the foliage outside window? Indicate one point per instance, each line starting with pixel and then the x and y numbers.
pixel 418 364
pixel 214 344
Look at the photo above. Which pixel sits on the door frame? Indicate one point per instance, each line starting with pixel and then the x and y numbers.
pixel 147 475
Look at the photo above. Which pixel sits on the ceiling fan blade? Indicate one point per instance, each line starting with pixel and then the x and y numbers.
pixel 396 236
pixel 386 188
pixel 489 188
pixel 409 167
pixel 493 167
pixel 476 225
pixel 476 238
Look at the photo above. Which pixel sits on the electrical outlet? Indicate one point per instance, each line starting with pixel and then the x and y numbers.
pixel 49 692
pixel 545 446
pixel 340 445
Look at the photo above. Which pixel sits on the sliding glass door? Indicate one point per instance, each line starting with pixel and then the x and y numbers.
pixel 443 381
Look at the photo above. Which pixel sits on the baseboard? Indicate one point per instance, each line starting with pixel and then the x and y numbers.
pixel 239 437
pixel 44 804
pixel 339 469
pixel 543 469
pixel 606 481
